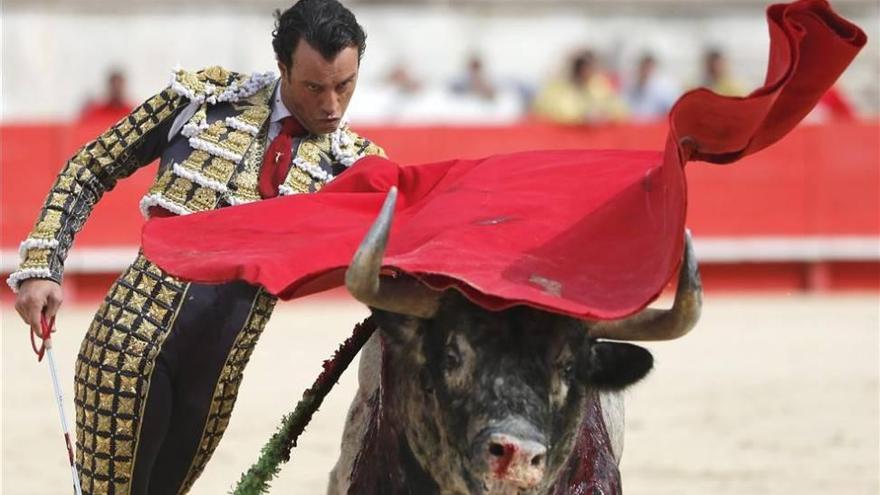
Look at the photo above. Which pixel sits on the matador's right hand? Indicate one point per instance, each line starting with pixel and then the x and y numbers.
pixel 38 296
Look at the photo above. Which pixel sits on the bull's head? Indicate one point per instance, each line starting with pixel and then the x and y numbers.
pixel 490 402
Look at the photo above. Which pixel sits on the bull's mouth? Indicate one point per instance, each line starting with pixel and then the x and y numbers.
pixel 498 487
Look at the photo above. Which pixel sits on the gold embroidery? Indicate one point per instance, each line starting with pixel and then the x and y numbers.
pixel 36 258
pixel 219 169
pixel 203 199
pixel 298 180
pixel 108 379
pixel 123 427
pixel 124 446
pixel 179 190
pixel 64 183
pixel 58 199
pixel 255 114
pixel 105 403
pixel 107 415
pixel 128 383
pixel 50 223
pixel 136 347
pixel 190 81
pixel 100 486
pixel 103 332
pixel 103 424
pixel 112 313
pixel 127 319
pixel 126 406
pixel 117 339
pixel 166 296
pixel 154 270
pixel 147 285
pixel 146 330
pixel 137 301
pixel 157 312
pixel 216 74
pixel 131 364
pixel 309 152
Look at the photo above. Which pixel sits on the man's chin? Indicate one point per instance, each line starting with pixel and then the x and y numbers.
pixel 326 127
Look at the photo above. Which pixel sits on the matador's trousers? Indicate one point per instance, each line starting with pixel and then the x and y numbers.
pixel 157 377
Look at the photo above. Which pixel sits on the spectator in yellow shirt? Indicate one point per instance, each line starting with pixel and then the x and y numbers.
pixel 716 75
pixel 585 95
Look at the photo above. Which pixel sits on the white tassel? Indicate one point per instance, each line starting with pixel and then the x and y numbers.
pixel 17 277
pixel 151 200
pixel 234 200
pixel 243 126
pixel 312 169
pixel 286 190
pixel 213 149
pixel 199 178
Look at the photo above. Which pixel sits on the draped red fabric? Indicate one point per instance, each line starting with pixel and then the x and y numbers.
pixel 587 233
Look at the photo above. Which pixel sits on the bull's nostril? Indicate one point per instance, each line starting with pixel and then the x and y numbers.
pixel 496 449
pixel 537 460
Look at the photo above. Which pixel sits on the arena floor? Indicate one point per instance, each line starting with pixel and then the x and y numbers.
pixel 771 395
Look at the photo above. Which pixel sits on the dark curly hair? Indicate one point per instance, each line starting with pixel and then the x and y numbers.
pixel 326 25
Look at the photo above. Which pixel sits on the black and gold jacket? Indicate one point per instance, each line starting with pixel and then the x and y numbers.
pixel 214 161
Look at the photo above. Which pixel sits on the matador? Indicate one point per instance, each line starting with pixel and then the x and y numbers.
pixel 159 369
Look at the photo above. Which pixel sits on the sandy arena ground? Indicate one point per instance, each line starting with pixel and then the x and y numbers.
pixel 771 395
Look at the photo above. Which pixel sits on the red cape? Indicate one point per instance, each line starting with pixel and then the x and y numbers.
pixel 591 234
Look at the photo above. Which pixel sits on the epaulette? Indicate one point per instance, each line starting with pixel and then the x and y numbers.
pixel 216 84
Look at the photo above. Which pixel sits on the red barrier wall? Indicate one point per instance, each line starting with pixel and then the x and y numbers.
pixel 821 180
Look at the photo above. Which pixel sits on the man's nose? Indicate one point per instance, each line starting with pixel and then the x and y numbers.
pixel 331 106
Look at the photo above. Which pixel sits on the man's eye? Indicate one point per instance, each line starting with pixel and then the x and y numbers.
pixel 314 87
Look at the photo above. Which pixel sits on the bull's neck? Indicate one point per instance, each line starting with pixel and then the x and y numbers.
pixel 591 466
pixel 386 464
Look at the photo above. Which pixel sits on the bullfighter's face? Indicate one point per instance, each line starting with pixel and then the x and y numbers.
pixel 316 90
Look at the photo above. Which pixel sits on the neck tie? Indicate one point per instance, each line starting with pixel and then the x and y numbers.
pixel 276 160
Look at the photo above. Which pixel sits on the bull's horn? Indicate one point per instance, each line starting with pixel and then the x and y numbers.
pixel 404 295
pixel 662 324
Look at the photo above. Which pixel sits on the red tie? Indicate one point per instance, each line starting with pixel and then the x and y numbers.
pixel 276 160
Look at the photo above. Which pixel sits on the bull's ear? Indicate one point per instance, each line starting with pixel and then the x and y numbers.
pixel 615 365
pixel 397 330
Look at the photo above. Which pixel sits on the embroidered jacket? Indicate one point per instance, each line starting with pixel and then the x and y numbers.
pixel 213 162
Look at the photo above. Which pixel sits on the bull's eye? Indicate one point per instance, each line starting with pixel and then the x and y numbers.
pixel 568 371
pixel 425 380
pixel 453 360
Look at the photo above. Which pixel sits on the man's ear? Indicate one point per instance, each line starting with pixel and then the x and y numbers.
pixel 613 365
pixel 283 69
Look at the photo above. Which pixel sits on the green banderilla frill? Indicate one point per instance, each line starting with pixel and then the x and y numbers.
pixel 277 450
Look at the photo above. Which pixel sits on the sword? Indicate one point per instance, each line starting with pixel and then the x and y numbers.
pixel 46 347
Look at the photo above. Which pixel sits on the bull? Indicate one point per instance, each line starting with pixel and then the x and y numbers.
pixel 456 399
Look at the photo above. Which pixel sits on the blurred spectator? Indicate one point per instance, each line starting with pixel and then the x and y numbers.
pixel 404 100
pixel 401 81
pixel 716 76
pixel 585 95
pixel 114 105
pixel 474 82
pixel 648 95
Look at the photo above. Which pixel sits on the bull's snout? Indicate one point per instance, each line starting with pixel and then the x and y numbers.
pixel 514 460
